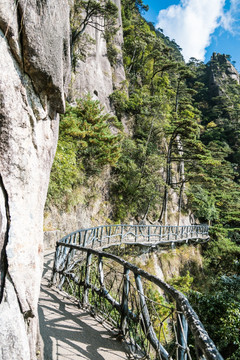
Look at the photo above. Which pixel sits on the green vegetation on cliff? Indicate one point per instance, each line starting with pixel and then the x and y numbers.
pixel 86 145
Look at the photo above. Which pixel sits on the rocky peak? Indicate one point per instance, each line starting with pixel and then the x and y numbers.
pixel 221 70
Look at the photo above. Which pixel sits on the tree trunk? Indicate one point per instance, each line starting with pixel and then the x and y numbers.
pixel 181 178
pixel 163 215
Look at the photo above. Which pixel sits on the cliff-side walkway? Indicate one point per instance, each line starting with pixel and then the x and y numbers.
pixel 69 333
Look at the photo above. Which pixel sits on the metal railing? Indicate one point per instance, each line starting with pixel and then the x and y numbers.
pixel 155 320
pixel 107 235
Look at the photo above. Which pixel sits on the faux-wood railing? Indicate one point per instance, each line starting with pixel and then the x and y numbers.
pixel 107 235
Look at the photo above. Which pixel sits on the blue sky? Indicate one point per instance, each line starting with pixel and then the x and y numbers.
pixel 199 27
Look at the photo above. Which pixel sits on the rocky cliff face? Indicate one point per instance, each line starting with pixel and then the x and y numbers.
pixel 34 63
pixel 95 75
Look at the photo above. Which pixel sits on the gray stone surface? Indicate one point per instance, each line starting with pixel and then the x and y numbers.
pixel 34 71
pixel 50 238
pixel 69 332
pixel 95 75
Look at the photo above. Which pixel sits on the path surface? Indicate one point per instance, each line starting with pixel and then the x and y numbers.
pixel 69 333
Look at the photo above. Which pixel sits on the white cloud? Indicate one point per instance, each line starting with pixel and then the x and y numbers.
pixel 230 19
pixel 191 24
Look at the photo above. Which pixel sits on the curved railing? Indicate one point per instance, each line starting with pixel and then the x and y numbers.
pixel 107 235
pixel 155 320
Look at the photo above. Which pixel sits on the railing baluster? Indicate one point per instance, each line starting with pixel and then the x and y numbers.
pixel 87 277
pixel 124 305
pixel 182 334
pixel 100 271
pixel 122 228
pixel 85 238
pixel 101 235
pixel 149 233
pixel 176 232
pixel 94 237
pixel 109 234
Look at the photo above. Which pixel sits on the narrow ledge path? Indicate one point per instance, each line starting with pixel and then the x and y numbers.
pixel 69 333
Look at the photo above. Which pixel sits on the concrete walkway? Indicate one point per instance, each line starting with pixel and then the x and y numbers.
pixel 69 333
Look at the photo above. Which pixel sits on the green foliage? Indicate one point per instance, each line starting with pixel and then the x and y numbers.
pixel 89 128
pixel 86 144
pixel 164 121
pixel 203 203
pixel 221 254
pixel 220 313
pixel 65 173
pixel 159 311
pixel 182 283
pixel 219 104
pixel 218 297
pixel 119 101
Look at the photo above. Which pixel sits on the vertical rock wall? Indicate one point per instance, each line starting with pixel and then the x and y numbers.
pixel 95 75
pixel 34 73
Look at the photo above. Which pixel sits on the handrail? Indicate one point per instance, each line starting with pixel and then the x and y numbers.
pixel 121 292
pixel 107 235
pixel 91 281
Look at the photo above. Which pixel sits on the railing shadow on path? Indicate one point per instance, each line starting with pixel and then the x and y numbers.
pixel 70 333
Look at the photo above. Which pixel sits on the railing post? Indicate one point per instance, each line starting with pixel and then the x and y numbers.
pixel 160 234
pixel 54 271
pixel 80 238
pixel 93 238
pixel 109 234
pixel 124 305
pixel 149 233
pixel 101 235
pixel 122 228
pixel 182 334
pixel 182 232
pixel 87 277
pixel 100 270
pixel 85 238
pixel 97 235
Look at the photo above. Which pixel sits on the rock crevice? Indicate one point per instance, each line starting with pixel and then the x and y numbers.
pixel 5 221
